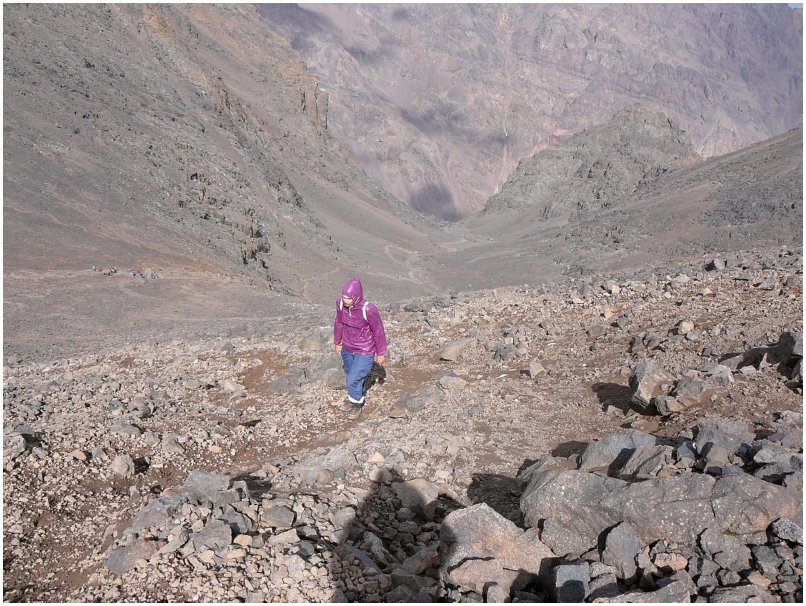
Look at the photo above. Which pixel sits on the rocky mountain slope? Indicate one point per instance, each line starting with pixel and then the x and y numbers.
pixel 440 103
pixel 180 138
pixel 219 469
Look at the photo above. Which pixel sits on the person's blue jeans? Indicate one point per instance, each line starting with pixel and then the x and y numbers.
pixel 357 368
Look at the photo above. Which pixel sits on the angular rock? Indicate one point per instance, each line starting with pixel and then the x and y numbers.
pixel 644 383
pixel 730 434
pixel 157 513
pixel 205 484
pixel 603 583
pixel 719 374
pixel 289 537
pixel 596 331
pixel 766 561
pixel 504 352
pixel 535 370
pixel 418 495
pixel 689 388
pixel 171 445
pixel 788 530
pixel 230 386
pixel 238 522
pixel 725 549
pixel 771 453
pixel 675 592
pixel 622 545
pixel 453 350
pixel 216 534
pixel 451 383
pixel 480 546
pixel 122 466
pixel 278 517
pixel 741 594
pixel 647 462
pixel 665 405
pixel 339 457
pixel 614 449
pixel 125 429
pixel 123 559
pixel 374 545
pixel 571 582
pixel 564 541
pixel 496 594
pixel 670 562
pixel 176 543
pixel 415 402
pixel 715 458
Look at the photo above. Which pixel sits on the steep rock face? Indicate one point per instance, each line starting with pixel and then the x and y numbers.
pixel 597 167
pixel 440 103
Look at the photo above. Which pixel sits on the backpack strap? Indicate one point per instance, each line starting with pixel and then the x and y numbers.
pixel 363 309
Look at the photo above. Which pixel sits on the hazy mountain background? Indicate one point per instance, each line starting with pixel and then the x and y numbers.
pixel 441 102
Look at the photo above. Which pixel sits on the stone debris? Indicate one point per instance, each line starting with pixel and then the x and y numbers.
pixel 577 446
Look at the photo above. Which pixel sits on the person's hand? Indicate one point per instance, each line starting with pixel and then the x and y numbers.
pixel 338 348
pixel 381 359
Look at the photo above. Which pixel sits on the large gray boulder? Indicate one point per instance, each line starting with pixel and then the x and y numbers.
pixel 573 498
pixel 674 508
pixel 614 449
pixel 480 547
pixel 744 504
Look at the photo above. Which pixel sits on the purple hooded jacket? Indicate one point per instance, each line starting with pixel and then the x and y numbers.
pixel 356 335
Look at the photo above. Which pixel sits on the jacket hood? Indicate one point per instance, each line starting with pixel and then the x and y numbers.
pixel 354 290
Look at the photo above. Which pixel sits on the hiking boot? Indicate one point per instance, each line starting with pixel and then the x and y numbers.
pixel 349 406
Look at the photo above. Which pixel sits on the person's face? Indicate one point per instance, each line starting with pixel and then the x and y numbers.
pixel 348 302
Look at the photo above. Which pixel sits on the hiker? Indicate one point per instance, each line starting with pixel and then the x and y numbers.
pixel 358 336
